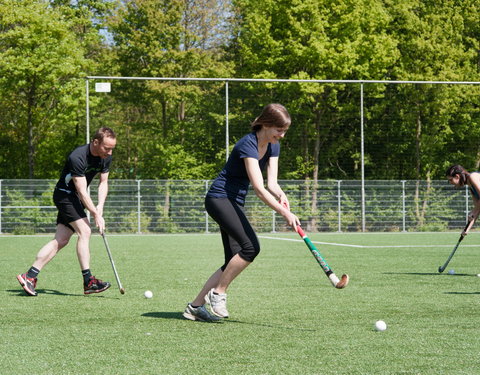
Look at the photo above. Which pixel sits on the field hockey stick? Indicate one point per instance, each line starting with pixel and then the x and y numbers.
pixel 337 283
pixel 122 289
pixel 462 236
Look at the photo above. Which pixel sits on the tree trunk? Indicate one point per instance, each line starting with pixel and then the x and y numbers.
pixel 164 117
pixel 426 198
pixel 306 176
pixel 477 162
pixel 181 118
pixel 30 127
pixel 418 165
pixel 166 206
pixel 316 160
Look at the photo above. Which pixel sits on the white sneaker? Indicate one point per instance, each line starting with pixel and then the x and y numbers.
pixel 199 313
pixel 218 303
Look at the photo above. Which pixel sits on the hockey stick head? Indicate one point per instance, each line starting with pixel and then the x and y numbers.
pixel 339 283
pixel 343 282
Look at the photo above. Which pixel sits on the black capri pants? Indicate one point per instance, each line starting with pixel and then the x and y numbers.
pixel 238 236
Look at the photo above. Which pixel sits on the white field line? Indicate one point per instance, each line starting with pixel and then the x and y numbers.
pixel 361 246
pixel 115 235
pixel 260 236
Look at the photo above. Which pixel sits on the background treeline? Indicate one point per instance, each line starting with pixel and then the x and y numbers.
pixel 176 130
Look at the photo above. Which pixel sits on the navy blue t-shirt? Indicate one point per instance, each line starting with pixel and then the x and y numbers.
pixel 81 163
pixel 233 182
pixel 474 191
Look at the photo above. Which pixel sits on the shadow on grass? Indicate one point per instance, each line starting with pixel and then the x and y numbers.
pixel 428 274
pixel 171 315
pixel 165 315
pixel 462 293
pixel 179 316
pixel 269 325
pixel 21 293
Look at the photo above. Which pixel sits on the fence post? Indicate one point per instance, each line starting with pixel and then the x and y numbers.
pixel 1 206
pixel 87 110
pixel 206 213
pixel 403 206
pixel 339 200
pixel 362 148
pixel 273 222
pixel 139 200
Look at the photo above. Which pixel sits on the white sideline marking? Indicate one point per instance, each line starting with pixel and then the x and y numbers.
pixel 317 242
pixel 260 236
pixel 361 246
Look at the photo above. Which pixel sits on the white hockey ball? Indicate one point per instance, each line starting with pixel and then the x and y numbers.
pixel 380 325
pixel 148 294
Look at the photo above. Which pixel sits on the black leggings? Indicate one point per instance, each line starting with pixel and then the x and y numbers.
pixel 238 235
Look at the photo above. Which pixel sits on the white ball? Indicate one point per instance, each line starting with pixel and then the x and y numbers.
pixel 478 274
pixel 451 272
pixel 380 325
pixel 148 294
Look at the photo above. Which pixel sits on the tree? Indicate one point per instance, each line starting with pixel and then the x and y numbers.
pixel 40 63
pixel 168 39
pixel 315 39
pixel 431 122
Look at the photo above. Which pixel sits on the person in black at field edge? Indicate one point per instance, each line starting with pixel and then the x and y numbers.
pixel 71 198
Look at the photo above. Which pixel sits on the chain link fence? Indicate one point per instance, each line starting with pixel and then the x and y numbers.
pixel 176 206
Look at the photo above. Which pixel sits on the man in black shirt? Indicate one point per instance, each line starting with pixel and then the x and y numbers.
pixel 71 198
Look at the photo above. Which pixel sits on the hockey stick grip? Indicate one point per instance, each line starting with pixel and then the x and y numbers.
pixel 467 227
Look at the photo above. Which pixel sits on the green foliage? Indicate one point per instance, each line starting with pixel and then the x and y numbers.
pixel 41 62
pixel 26 214
pixel 177 206
pixel 175 130
pixel 129 223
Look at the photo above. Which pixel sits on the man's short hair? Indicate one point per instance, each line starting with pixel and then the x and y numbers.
pixel 104 132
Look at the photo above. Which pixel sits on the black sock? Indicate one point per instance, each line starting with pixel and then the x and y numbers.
pixel 33 272
pixel 86 276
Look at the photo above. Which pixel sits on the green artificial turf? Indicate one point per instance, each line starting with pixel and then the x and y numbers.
pixel 286 318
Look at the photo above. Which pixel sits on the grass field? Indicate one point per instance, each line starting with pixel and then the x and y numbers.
pixel 286 318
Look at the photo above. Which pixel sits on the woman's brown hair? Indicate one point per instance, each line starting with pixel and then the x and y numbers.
pixel 458 169
pixel 273 115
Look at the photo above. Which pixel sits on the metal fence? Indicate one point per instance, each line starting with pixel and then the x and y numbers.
pixel 367 129
pixel 170 206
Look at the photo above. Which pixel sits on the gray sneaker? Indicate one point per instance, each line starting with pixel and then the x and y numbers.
pixel 218 303
pixel 199 313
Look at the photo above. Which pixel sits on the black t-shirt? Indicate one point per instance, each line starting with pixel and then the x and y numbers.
pixel 81 163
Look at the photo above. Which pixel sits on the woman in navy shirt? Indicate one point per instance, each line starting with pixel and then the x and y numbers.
pixel 255 152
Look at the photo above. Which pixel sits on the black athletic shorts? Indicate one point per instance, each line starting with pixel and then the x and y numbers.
pixel 69 206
